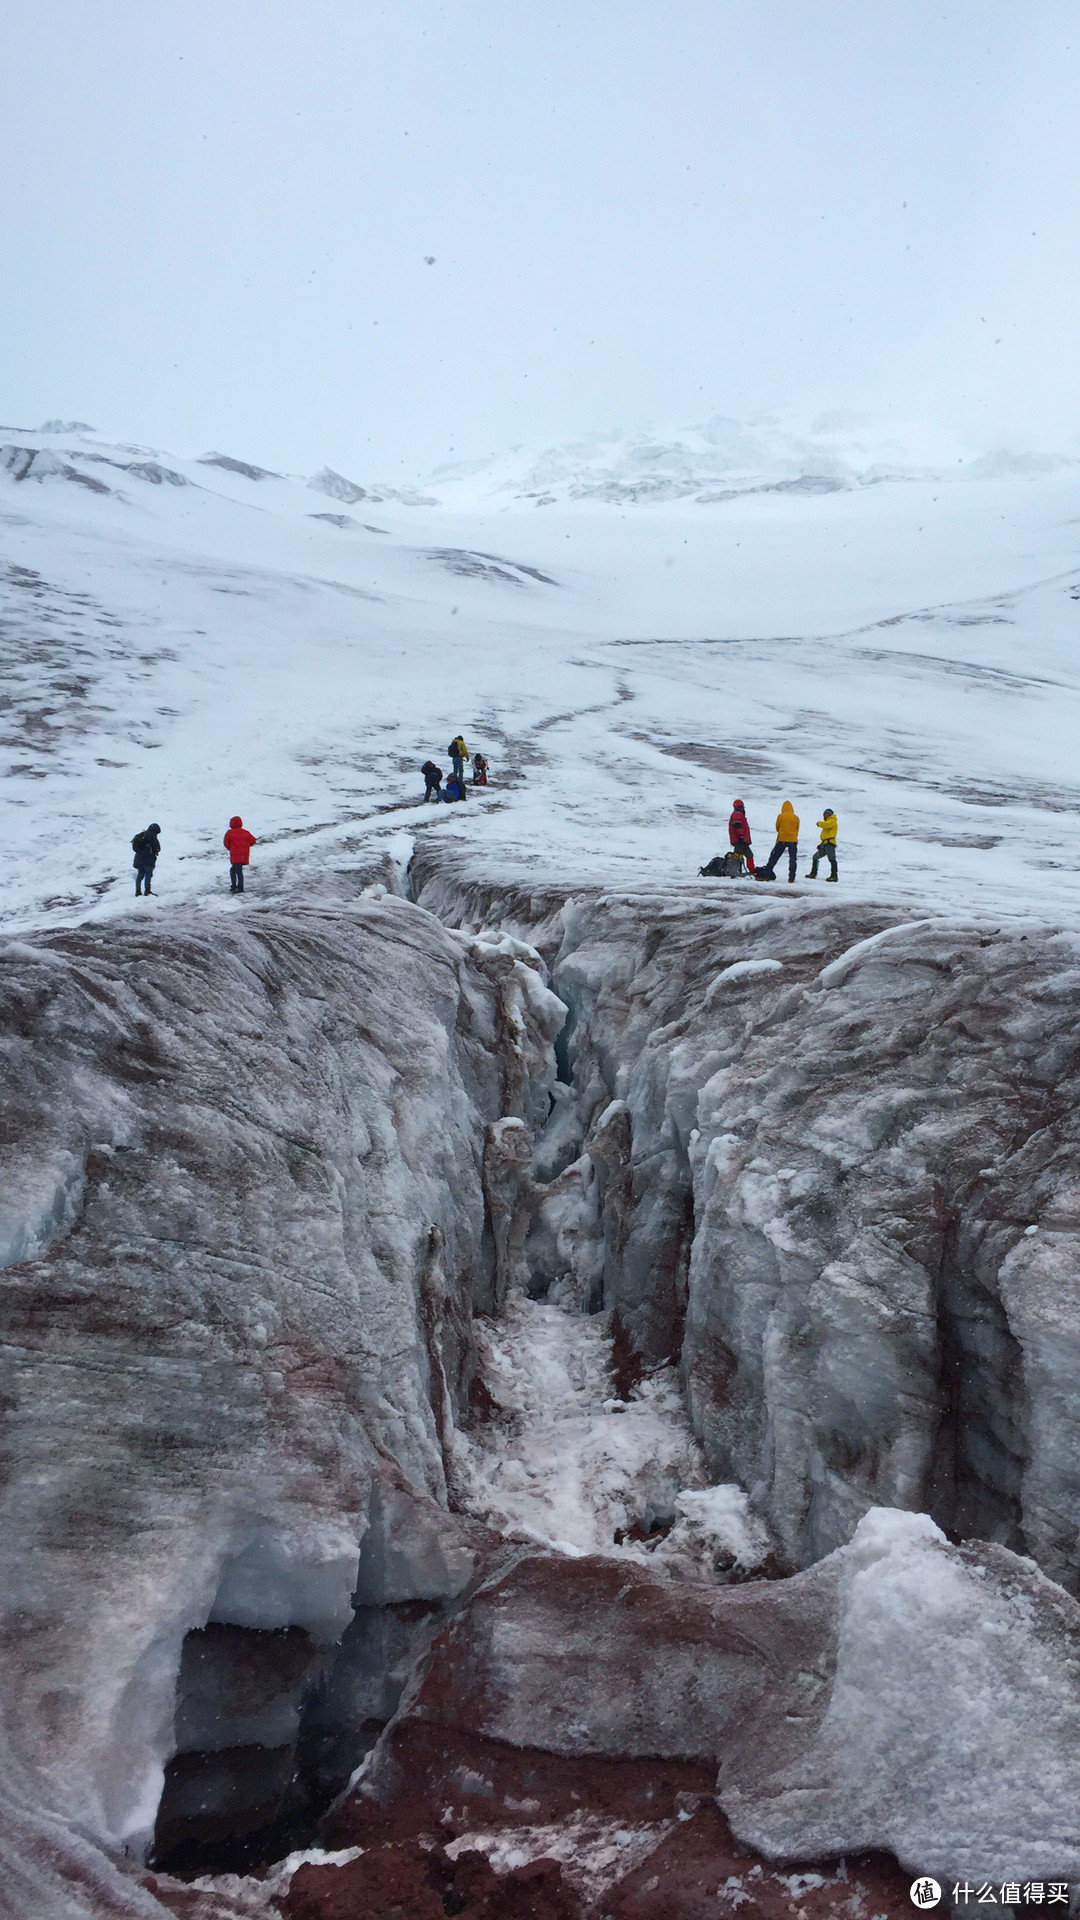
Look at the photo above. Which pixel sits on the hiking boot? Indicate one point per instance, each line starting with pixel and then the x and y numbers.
pixel 832 876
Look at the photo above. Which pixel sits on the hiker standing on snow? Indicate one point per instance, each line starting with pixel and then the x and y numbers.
pixel 145 846
pixel 787 841
pixel 239 842
pixel 827 826
pixel 459 753
pixel 432 780
pixel 739 833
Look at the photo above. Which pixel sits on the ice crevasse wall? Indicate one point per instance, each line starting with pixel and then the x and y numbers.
pixel 242 1183
pixel 258 1175
pixel 828 1159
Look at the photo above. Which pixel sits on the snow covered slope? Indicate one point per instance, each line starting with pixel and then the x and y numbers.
pixel 183 639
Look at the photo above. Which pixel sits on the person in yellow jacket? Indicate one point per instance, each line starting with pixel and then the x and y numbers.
pixel 787 841
pixel 827 850
pixel 459 753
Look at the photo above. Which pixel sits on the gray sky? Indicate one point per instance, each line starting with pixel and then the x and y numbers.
pixel 216 216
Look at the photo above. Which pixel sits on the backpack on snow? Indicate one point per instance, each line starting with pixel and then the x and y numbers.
pixel 727 866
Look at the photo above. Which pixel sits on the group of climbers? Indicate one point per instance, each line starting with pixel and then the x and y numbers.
pixel 741 857
pixel 238 842
pixel 146 847
pixel 455 788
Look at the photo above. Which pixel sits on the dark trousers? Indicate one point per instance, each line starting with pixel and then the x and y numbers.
pixel 791 848
pixel 431 787
pixel 236 877
pixel 826 851
pixel 143 877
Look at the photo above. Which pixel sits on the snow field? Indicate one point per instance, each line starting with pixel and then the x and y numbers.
pixel 904 651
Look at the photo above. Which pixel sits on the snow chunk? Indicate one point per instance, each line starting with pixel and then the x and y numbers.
pixel 718 1525
pixel 838 970
pixel 887 1530
pixel 744 970
pixel 951 1729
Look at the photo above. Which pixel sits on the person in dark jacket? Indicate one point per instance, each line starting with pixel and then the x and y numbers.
pixel 739 834
pixel 145 846
pixel 239 843
pixel 432 780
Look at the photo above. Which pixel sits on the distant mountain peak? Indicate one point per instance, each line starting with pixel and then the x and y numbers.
pixel 336 485
pixel 243 467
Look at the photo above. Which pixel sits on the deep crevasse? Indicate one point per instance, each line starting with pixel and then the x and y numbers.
pixel 771 1094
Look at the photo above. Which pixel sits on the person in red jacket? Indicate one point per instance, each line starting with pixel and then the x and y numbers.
pixel 739 833
pixel 239 842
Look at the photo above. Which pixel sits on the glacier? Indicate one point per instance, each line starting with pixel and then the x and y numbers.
pixel 499 1331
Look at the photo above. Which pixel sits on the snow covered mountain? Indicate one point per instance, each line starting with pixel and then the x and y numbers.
pixel 724 459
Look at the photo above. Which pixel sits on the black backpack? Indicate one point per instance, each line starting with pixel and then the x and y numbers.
pixel 726 866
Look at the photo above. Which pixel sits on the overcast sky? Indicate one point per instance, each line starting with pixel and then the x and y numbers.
pixel 217 218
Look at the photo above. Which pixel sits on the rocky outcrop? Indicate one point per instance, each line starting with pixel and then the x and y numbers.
pixel 241 1195
pixel 902 1695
